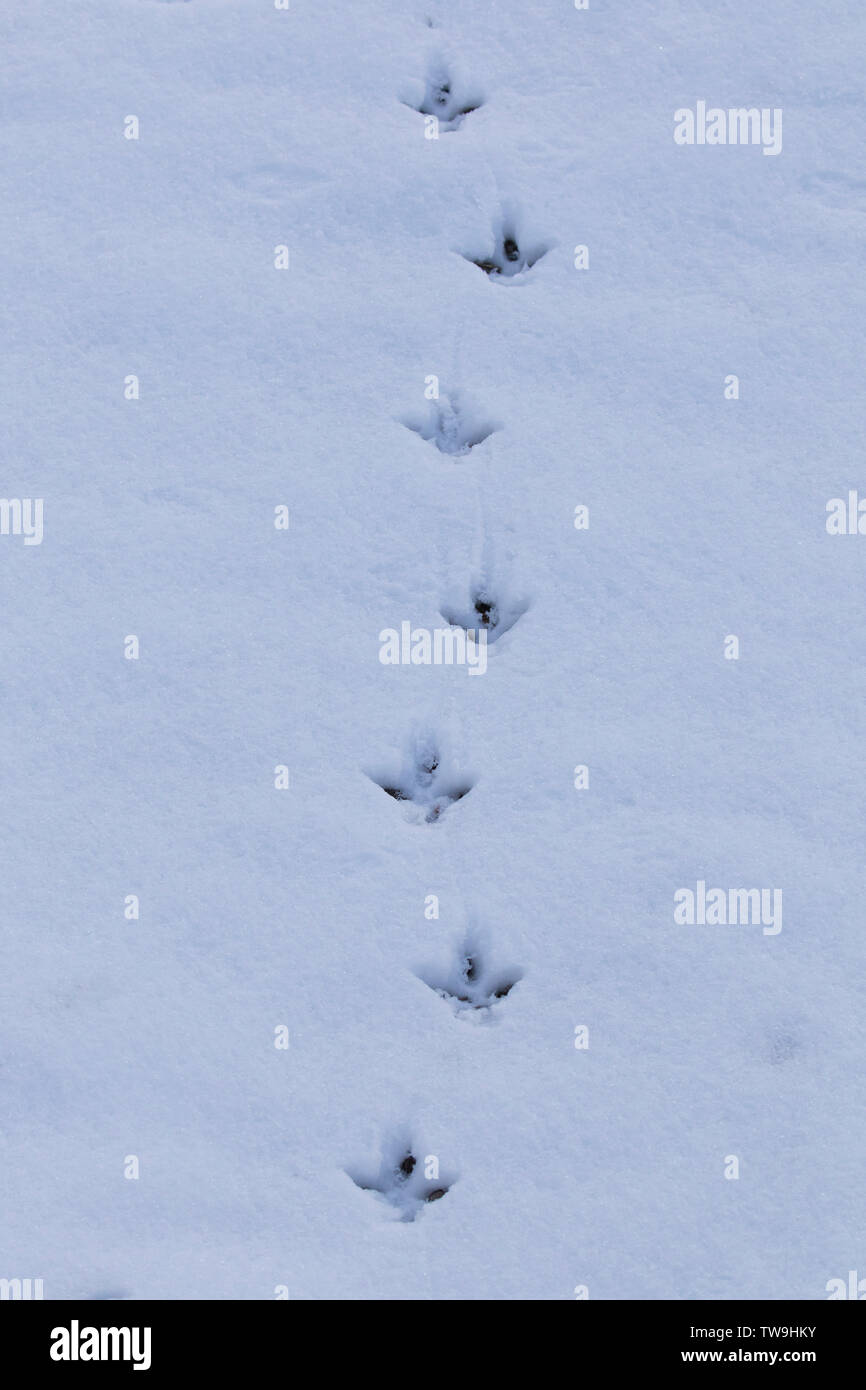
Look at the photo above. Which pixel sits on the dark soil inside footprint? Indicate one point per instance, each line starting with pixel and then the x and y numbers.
pixel 509 258
pixel 488 615
pixel 447 98
pixel 404 1186
pixel 440 101
pixel 485 613
pixel 472 986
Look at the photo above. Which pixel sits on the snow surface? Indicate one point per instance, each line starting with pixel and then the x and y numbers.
pixel 304 907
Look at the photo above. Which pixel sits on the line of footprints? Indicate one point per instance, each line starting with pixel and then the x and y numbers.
pixel 427 781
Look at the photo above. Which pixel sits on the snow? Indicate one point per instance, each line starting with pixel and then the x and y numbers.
pixel 304 908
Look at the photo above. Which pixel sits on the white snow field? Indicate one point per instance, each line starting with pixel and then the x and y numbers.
pixel 565 1169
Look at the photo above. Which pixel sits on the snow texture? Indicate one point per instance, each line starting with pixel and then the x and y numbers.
pixel 268 378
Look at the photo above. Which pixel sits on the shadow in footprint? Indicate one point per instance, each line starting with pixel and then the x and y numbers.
pixel 513 251
pixel 452 423
pixel 785 1040
pixel 472 986
pixel 493 610
pixel 428 782
pixel 443 94
pixel 404 1181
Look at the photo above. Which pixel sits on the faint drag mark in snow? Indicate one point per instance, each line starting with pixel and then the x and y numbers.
pixel 428 781
pixel 272 183
pixel 836 190
pixel 405 1182
pixel 472 986
pixel 452 424
pixel 513 253
pixel 444 95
